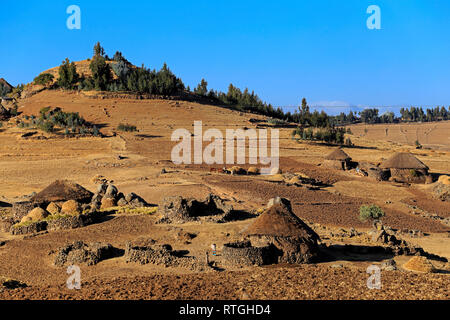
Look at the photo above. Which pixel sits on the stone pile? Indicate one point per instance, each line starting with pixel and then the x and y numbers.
pixel 108 196
pixel 180 210
pixel 79 252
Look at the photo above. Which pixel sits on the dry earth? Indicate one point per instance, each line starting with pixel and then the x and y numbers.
pixel 29 165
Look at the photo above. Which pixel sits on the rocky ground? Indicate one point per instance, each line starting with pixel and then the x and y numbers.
pixel 135 163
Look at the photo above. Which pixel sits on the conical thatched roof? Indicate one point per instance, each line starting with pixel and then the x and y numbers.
pixel 278 221
pixel 403 160
pixel 338 154
pixel 419 264
pixel 63 190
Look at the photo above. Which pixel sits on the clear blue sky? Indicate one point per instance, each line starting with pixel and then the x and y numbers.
pixel 284 50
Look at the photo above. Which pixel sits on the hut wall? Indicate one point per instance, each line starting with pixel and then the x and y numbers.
pixel 288 249
pixel 409 175
pixel 244 254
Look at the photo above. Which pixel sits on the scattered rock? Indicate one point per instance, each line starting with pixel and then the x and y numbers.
pixel 180 210
pixel 108 203
pixel 389 265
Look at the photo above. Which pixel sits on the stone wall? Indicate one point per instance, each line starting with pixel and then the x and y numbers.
pixel 244 254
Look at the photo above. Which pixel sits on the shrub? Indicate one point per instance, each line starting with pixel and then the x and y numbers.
pixel 47 126
pixel 276 122
pixel 371 212
pixel 44 79
pixel 126 128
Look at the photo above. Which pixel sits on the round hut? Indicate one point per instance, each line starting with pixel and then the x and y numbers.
pixel 338 159
pixel 290 239
pixel 404 167
pixel 61 191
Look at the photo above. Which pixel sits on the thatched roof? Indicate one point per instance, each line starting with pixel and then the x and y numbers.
pixel 278 221
pixel 403 161
pixel 63 190
pixel 338 154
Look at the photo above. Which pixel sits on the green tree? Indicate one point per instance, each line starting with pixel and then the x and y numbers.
pixel 371 213
pixel 101 72
pixel 202 88
pixel 44 79
pixel 68 76
pixel 98 50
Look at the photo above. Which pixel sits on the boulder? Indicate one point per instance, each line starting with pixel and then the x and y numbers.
pixel 122 202
pixel 111 192
pixel 389 265
pixel 108 203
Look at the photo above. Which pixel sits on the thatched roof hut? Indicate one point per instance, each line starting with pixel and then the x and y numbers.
pixel 338 159
pixel 277 221
pixel 63 190
pixel 403 160
pixel 405 167
pixel 292 240
pixel 339 155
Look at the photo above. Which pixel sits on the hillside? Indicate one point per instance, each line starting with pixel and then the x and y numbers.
pixel 328 200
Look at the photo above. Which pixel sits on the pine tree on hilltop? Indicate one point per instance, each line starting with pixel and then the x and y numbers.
pixel 202 88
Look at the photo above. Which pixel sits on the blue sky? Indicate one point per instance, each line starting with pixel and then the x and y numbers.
pixel 284 50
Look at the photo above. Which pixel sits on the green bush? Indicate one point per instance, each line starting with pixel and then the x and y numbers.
pixel 126 128
pixel 370 212
pixel 46 126
pixel 44 79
